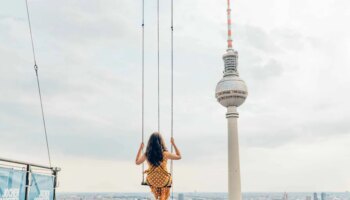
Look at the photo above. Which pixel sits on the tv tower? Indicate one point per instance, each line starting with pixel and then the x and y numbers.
pixel 231 92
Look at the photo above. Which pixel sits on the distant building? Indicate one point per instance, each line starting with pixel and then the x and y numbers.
pixel 315 196
pixel 181 196
pixel 323 196
pixel 308 198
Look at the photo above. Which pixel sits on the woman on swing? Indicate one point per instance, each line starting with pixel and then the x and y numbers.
pixel 157 155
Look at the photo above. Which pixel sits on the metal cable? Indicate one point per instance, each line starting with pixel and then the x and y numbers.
pixel 42 114
pixel 143 83
pixel 38 83
pixel 30 32
pixel 158 65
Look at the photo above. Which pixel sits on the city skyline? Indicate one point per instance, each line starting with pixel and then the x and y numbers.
pixel 201 196
pixel 294 130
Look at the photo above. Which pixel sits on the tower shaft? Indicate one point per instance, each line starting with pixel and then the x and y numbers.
pixel 234 174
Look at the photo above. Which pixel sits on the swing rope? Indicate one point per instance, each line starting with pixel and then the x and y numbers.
pixel 172 91
pixel 143 83
pixel 158 65
pixel 38 83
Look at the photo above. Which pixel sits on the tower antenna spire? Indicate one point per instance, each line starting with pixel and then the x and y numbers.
pixel 229 30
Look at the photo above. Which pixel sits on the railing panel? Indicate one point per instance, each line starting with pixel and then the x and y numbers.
pixel 12 184
pixel 41 187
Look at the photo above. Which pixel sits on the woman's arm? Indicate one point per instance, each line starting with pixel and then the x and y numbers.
pixel 140 158
pixel 177 155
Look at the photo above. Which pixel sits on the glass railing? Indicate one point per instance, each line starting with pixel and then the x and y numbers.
pixel 27 181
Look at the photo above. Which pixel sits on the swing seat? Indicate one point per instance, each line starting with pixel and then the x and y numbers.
pixel 146 184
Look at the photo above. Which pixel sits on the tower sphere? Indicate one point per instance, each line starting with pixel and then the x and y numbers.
pixel 231 91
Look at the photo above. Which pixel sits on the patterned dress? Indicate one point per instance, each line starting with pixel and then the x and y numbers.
pixel 160 193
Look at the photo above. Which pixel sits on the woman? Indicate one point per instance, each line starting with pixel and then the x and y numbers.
pixel 158 177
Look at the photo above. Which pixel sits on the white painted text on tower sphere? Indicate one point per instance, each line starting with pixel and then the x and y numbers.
pixel 231 91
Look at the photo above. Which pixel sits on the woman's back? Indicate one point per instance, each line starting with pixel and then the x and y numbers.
pixel 163 164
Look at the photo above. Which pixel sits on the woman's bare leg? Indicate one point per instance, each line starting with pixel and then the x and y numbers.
pixel 155 191
pixel 165 193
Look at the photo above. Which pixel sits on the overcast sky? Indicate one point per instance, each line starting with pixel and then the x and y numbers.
pixel 294 56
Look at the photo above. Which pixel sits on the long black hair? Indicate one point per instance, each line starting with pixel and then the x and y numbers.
pixel 155 149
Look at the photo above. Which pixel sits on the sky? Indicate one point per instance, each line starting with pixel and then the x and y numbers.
pixel 294 129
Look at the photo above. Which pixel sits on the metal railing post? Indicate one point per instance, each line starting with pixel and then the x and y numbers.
pixel 27 183
pixel 54 183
